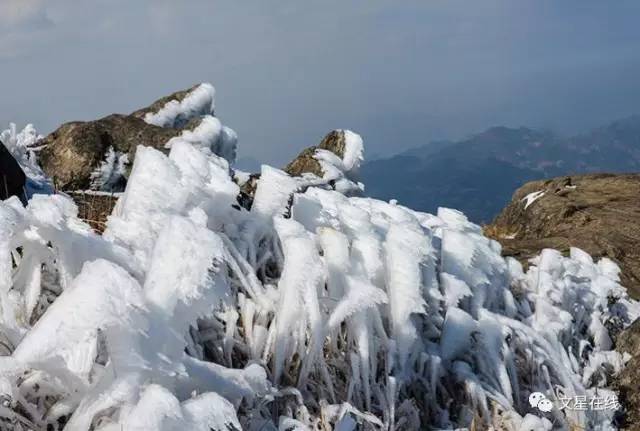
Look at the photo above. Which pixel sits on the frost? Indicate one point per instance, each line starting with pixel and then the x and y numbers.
pixel 314 310
pixel 110 175
pixel 175 113
pixel 342 172
pixel 210 134
pixel 353 152
pixel 532 197
pixel 23 146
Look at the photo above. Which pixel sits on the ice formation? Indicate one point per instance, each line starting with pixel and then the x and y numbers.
pixel 340 172
pixel 23 146
pixel 209 133
pixel 313 310
pixel 532 197
pixel 200 101
pixel 110 176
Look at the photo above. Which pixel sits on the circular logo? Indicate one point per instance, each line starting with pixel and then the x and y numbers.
pixel 545 405
pixel 535 398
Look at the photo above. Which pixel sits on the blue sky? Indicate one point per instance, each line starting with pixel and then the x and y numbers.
pixel 286 72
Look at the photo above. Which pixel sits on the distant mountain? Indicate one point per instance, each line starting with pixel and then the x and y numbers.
pixel 478 175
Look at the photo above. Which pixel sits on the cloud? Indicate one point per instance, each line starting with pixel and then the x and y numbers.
pixel 21 14
pixel 399 73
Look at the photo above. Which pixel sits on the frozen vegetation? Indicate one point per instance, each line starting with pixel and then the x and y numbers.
pixel 111 171
pixel 23 146
pixel 316 309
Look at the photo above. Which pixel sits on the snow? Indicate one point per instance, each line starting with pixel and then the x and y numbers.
pixel 342 173
pixel 176 113
pixel 110 175
pixel 211 134
pixel 354 150
pixel 23 146
pixel 532 197
pixel 100 296
pixel 273 192
pixel 314 310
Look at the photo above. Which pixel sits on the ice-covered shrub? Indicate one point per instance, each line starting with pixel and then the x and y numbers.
pixel 23 146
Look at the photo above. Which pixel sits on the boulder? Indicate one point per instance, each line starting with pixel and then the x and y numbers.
pixel 97 155
pixel 305 162
pixel 12 178
pixel 599 213
pixel 75 151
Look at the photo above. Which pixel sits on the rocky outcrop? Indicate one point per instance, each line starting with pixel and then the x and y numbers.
pixel 306 162
pixel 73 152
pixel 178 96
pixel 97 155
pixel 598 213
pixel 12 178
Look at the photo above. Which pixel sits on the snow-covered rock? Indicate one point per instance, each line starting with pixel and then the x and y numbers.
pixel 98 155
pixel 334 162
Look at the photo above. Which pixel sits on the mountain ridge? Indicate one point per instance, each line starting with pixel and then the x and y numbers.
pixel 478 174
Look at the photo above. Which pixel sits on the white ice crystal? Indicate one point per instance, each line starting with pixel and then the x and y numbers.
pixel 211 134
pixel 24 146
pixel 341 172
pixel 200 101
pixel 532 197
pixel 208 133
pixel 312 310
pixel 353 152
pixel 110 175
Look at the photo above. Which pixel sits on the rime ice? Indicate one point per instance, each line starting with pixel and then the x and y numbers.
pixel 311 309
